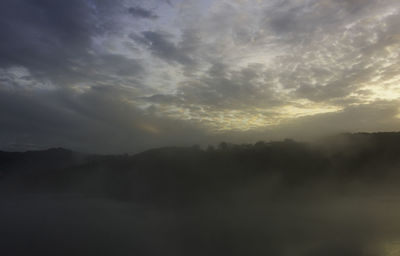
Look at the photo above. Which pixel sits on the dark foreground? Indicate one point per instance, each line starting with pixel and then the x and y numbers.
pixel 339 197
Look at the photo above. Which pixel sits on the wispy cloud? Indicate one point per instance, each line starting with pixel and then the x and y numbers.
pixel 220 66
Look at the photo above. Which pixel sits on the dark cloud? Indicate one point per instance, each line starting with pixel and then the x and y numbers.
pixel 354 6
pixel 43 34
pixel 301 21
pixel 99 119
pixel 162 99
pixel 230 89
pixel 325 93
pixel 139 12
pixel 108 68
pixel 54 40
pixel 160 45
pixel 216 65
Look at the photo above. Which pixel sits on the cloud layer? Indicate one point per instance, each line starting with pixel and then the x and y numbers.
pixel 150 73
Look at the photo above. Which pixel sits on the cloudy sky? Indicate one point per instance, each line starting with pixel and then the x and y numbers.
pixel 128 75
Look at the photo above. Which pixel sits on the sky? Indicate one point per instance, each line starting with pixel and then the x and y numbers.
pixel 128 75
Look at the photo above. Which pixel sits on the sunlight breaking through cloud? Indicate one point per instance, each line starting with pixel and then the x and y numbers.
pixel 215 66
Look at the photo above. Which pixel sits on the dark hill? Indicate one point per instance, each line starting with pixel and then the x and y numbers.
pixel 186 175
pixel 338 197
pixel 31 161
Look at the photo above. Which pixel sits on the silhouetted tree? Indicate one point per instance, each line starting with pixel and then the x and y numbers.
pixel 223 146
pixel 210 148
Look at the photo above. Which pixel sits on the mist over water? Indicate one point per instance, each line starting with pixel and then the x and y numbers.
pixel 277 198
pixel 246 222
pixel 200 127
